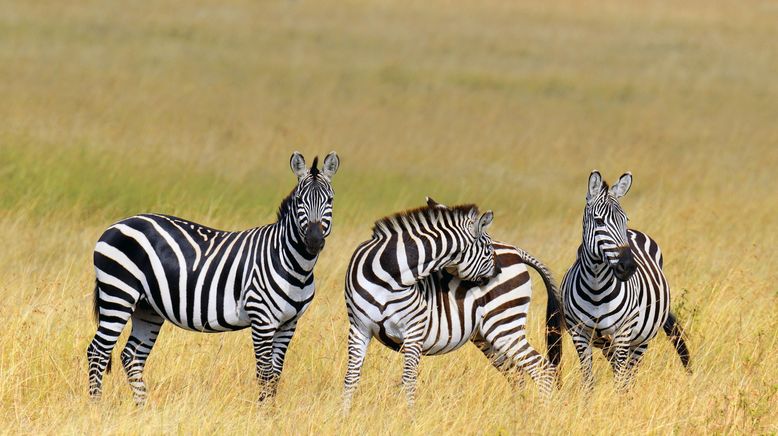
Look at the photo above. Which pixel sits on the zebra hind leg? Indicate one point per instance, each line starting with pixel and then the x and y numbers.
pixel 501 363
pixel 112 311
pixel 146 325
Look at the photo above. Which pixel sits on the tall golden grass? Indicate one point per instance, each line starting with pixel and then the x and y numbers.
pixel 193 109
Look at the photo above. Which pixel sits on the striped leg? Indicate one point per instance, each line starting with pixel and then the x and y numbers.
pixel 281 340
pixel 583 346
pixel 626 367
pixel 357 349
pixel 262 336
pixel 145 327
pixel 515 349
pixel 411 350
pixel 500 362
pixel 113 312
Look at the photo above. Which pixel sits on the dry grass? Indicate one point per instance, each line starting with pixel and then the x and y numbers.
pixel 111 109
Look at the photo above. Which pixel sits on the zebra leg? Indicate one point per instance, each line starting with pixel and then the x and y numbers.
pixel 515 351
pixel 113 311
pixel 357 349
pixel 628 370
pixel 619 357
pixel 500 362
pixel 146 324
pixel 262 334
pixel 583 346
pixel 281 340
pixel 411 350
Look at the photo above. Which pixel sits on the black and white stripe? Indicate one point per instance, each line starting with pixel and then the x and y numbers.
pixel 154 268
pixel 615 295
pixel 396 292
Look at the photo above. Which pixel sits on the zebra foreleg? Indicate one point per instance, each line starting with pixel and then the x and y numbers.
pixel 262 335
pixel 357 349
pixel 281 340
pixel 629 371
pixel 146 325
pixel 621 360
pixel 411 350
pixel 583 346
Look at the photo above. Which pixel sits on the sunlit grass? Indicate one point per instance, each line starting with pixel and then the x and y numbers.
pixel 194 110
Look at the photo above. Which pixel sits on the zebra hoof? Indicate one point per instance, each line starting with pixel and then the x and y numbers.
pixel 266 397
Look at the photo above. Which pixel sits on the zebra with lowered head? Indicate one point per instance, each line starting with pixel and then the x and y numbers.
pixel 616 296
pixel 151 268
pixel 389 297
pixel 492 314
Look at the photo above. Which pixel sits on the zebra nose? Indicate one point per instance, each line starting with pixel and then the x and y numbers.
pixel 626 265
pixel 314 238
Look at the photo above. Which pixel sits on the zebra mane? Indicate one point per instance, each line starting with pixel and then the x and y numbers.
pixel 286 203
pixel 386 224
pixel 286 206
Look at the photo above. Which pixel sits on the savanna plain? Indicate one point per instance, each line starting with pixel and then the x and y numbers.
pixel 108 109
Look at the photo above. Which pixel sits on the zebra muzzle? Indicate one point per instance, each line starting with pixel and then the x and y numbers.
pixel 626 265
pixel 314 238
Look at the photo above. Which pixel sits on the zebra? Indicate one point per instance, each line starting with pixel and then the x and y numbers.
pixel 151 268
pixel 615 296
pixel 411 288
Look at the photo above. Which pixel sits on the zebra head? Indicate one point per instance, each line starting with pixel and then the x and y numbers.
pixel 605 225
pixel 477 262
pixel 312 199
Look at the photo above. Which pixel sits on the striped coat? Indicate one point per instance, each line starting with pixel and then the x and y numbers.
pixel 154 268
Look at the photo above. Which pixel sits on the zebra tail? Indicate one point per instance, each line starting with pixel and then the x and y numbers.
pixel 96 315
pixel 554 315
pixel 676 335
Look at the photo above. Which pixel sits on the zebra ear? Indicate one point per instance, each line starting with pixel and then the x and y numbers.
pixel 621 188
pixel 595 186
pixel 331 163
pixel 297 162
pixel 483 222
pixel 433 203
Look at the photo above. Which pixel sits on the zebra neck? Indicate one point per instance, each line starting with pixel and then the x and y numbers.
pixel 595 272
pixel 413 262
pixel 285 244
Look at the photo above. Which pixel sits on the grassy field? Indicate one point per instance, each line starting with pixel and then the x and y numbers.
pixel 108 109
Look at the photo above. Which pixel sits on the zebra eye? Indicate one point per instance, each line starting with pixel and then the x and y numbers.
pixel 599 221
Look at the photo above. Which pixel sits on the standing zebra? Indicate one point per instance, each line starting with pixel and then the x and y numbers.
pixel 151 268
pixel 615 295
pixel 399 290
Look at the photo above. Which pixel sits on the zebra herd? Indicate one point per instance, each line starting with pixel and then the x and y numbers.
pixel 427 281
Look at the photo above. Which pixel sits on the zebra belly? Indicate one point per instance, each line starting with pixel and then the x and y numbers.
pixel 232 320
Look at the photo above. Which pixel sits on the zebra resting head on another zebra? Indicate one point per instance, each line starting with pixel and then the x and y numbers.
pixel 388 279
